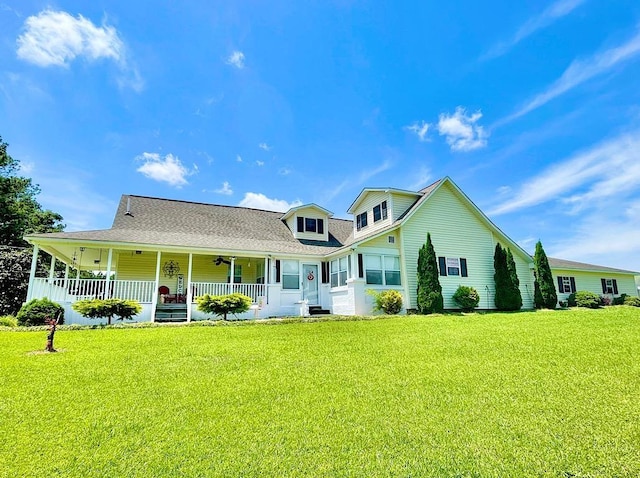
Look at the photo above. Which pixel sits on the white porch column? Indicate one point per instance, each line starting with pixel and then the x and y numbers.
pixel 232 274
pixel 107 291
pixel 189 288
pixel 32 273
pixel 66 282
pixel 154 297
pixel 266 271
pixel 52 268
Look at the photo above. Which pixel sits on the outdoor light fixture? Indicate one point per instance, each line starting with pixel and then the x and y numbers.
pixel 170 268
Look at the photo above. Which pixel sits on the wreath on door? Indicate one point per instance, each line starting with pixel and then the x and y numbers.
pixel 310 275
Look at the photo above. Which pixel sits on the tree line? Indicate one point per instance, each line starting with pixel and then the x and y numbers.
pixel 20 214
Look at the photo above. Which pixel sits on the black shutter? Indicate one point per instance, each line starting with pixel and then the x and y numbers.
pixel 325 272
pixel 615 286
pixel 463 267
pixel 443 266
pixel 560 285
pixel 360 266
pixel 604 285
pixel 320 226
pixel 300 224
pixel 573 284
pixel 277 270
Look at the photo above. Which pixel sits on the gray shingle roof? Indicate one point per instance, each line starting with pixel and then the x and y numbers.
pixel 581 266
pixel 155 221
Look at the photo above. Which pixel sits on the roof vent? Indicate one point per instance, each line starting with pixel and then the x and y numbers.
pixel 128 213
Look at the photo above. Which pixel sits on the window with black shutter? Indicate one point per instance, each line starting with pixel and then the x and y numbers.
pixel 442 262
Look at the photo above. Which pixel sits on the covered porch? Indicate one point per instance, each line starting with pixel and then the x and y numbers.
pixel 166 283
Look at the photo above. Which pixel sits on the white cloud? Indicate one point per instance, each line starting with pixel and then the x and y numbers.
pixel 260 163
pixel 264 146
pixel 55 38
pixel 553 12
pixel 225 189
pixel 284 171
pixel 168 169
pixel 260 201
pixel 420 129
pixel 238 158
pixel 461 131
pixel 26 167
pixel 580 71
pixel 607 169
pixel 236 59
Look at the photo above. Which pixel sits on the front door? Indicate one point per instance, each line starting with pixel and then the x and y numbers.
pixel 310 283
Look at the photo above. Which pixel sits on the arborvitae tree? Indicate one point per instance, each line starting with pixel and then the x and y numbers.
pixel 538 301
pixel 544 279
pixel 429 289
pixel 515 282
pixel 508 295
pixel 501 278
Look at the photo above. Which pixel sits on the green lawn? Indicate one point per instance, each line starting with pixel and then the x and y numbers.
pixel 526 394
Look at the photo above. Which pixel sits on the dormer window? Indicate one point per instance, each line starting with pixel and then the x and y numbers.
pixel 310 224
pixel 380 211
pixel 361 220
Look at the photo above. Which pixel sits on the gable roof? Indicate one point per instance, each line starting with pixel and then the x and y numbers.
pixel 293 210
pixel 582 266
pixel 156 221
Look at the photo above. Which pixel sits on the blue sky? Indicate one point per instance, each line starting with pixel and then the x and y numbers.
pixel 534 111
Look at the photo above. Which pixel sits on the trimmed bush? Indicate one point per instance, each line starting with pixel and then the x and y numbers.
pixel 632 301
pixel 584 298
pixel 8 321
pixel 107 308
pixel 619 300
pixel 36 311
pixel 430 298
pixel 571 300
pixel 467 298
pixel 221 305
pixel 388 301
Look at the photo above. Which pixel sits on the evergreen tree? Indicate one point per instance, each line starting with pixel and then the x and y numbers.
pixel 538 301
pixel 515 282
pixel 501 278
pixel 544 280
pixel 429 289
pixel 507 295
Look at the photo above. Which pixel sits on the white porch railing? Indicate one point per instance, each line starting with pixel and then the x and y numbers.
pixel 70 290
pixel 255 291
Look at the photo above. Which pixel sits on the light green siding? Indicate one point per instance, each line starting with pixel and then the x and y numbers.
pixel 400 203
pixel 458 231
pixel 592 281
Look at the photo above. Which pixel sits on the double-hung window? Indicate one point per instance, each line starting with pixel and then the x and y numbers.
pixel 290 275
pixel 382 270
pixel 609 286
pixel 361 220
pixel 566 285
pixel 453 266
pixel 339 269
pixel 380 211
pixel 237 274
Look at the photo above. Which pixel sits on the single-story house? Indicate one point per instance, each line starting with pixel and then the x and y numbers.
pixel 164 253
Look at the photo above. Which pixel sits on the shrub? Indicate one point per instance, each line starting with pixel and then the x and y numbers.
pixel 467 298
pixel 8 321
pixel 605 301
pixel 571 300
pixel 221 305
pixel 107 308
pixel 429 289
pixel 388 301
pixel 584 298
pixel 36 311
pixel 619 300
pixel 632 301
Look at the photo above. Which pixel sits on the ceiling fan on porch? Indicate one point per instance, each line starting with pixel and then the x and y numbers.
pixel 220 260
